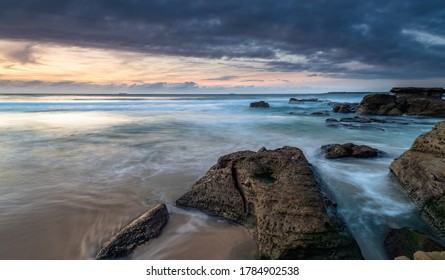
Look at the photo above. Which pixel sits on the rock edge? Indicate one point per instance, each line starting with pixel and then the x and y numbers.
pixel 144 228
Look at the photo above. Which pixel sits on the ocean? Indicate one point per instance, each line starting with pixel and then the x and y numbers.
pixel 74 169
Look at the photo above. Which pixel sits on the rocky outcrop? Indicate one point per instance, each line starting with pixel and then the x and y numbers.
pixel 276 193
pixel 421 172
pixel 344 107
pixel 147 226
pixel 259 104
pixel 379 104
pixel 407 241
pixel 412 101
pixel 348 150
pixel 433 93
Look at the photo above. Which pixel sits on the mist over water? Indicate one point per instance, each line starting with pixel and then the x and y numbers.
pixel 75 169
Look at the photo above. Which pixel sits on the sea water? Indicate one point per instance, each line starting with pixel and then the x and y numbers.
pixel 75 169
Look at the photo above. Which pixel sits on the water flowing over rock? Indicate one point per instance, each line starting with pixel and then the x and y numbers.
pixel 295 100
pixel 412 101
pixel 276 193
pixel 421 172
pixel 144 228
pixel 407 241
pixel 259 104
pixel 349 150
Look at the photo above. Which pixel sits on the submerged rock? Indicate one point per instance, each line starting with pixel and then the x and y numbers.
pixel 356 122
pixel 348 150
pixel 320 113
pixel 259 104
pixel 295 100
pixel 407 241
pixel 147 226
pixel 276 193
pixel 421 172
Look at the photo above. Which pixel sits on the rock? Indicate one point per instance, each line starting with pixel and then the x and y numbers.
pixel 358 119
pixel 436 255
pixel 378 104
pixel 144 228
pixel 406 241
pixel 276 193
pixel 344 107
pixel 349 150
pixel 412 101
pixel 259 104
pixel 324 113
pixel 295 100
pixel 424 106
pixel 356 122
pixel 421 172
pixel 434 93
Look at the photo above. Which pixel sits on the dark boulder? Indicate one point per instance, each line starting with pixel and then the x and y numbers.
pixel 412 101
pixel 348 150
pixel 144 228
pixel 344 107
pixel 277 194
pixel 259 104
pixel 379 104
pixel 407 241
pixel 421 172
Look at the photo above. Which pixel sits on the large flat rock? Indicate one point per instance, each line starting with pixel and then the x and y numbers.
pixel 276 193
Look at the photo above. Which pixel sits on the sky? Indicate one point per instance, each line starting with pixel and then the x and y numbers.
pixel 203 46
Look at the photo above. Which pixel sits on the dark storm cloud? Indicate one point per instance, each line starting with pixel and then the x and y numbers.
pixel 398 39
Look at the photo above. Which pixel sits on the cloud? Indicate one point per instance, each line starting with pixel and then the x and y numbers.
pixel 223 78
pixel 23 55
pixel 425 37
pixel 386 38
pixel 37 86
pixel 252 81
